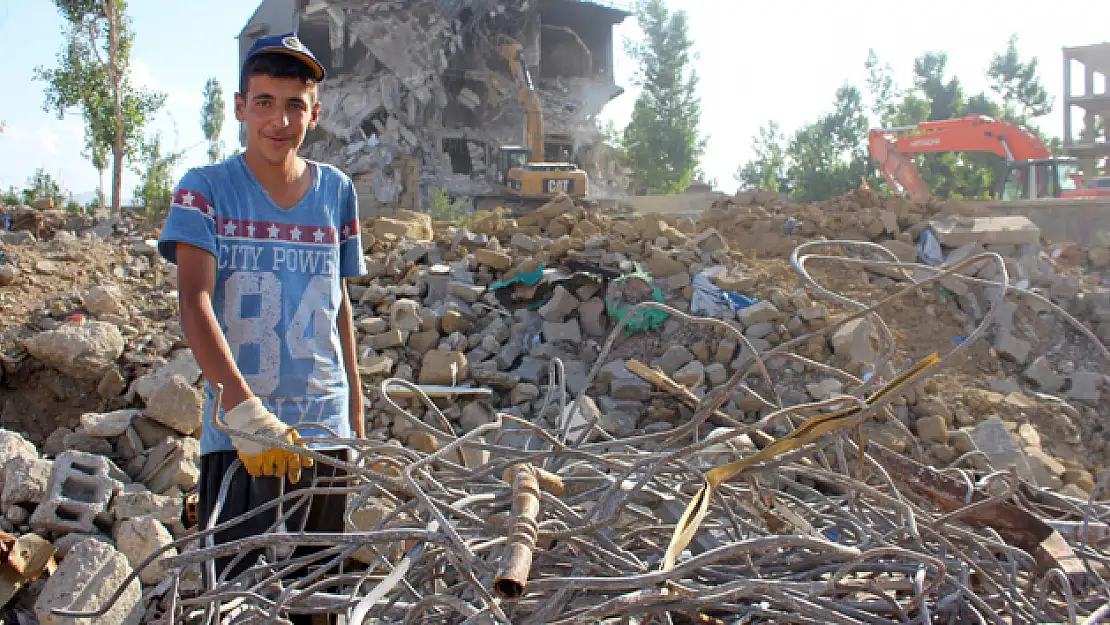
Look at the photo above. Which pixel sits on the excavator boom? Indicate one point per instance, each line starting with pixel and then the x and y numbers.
pixel 526 92
pixel 974 133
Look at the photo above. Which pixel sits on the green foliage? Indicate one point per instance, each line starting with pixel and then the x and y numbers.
pixel 212 118
pixel 829 156
pixel 42 185
pixel 443 208
pixel 11 197
pixel 92 78
pixel 155 191
pixel 1019 86
pixel 662 139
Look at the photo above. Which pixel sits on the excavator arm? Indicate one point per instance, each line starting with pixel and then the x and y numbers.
pixel 514 53
pixel 974 133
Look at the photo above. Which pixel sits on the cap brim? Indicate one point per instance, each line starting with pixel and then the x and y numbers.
pixel 317 68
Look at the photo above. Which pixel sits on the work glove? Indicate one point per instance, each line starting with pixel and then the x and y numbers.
pixel 259 460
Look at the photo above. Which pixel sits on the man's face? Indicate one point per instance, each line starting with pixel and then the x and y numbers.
pixel 277 112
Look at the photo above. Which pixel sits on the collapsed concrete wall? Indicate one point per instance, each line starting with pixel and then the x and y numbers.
pixel 419 87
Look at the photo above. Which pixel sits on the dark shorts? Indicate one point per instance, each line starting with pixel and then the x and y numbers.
pixel 324 514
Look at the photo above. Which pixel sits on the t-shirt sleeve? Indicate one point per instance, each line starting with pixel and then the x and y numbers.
pixel 192 217
pixel 352 263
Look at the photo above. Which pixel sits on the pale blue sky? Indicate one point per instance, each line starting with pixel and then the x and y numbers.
pixel 757 61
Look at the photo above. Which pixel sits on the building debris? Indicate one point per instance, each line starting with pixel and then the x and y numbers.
pixel 531 449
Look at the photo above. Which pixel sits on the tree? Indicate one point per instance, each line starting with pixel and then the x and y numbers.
pixel 155 191
pixel 212 118
pixel 769 166
pixel 662 139
pixel 41 185
pixel 884 92
pixel 1017 83
pixel 92 76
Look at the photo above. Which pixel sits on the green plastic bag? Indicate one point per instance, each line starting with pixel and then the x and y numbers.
pixel 616 306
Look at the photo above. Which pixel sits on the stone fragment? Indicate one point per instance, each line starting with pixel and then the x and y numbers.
pixel 499 261
pixel 108 424
pixel 404 315
pixel 104 300
pixel 26 481
pixel 933 429
pixel 1041 373
pixel 692 375
pixel 140 537
pixel 443 367
pixel 759 312
pixel 177 404
pixel 673 359
pixel 1011 347
pixel 91 573
pixel 133 503
pixel 994 439
pixel 591 314
pixel 856 341
pixel 81 350
pixel 716 373
pixel 560 306
pixel 567 331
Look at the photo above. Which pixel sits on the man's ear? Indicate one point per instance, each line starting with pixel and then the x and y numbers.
pixel 240 107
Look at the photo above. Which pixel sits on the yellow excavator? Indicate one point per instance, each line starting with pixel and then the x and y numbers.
pixel 522 174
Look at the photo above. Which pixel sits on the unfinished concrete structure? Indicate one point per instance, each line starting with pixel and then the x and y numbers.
pixel 418 97
pixel 1092 149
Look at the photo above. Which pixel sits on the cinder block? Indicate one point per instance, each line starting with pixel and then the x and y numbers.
pixel 80 489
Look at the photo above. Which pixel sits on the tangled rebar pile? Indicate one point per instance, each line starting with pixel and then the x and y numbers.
pixel 573 526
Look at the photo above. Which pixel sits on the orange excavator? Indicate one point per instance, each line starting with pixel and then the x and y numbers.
pixel 1032 171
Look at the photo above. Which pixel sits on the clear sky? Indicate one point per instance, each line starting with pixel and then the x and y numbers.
pixel 757 61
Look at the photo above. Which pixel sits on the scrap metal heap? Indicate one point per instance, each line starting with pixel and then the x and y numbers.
pixel 423 79
pixel 576 419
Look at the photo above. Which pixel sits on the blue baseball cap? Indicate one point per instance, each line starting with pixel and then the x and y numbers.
pixel 287 44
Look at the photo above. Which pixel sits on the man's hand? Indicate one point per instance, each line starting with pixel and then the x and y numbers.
pixel 252 417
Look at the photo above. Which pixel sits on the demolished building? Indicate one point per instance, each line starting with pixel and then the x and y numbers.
pixel 418 96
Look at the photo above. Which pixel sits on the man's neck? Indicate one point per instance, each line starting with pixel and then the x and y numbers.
pixel 277 177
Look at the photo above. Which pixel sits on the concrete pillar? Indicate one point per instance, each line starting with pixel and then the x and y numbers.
pixel 1089 80
pixel 1067 99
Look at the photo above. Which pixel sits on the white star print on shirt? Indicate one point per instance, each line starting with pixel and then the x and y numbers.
pixel 274 231
pixel 318 236
pixel 229 228
pixel 187 199
pixel 295 233
pixel 346 231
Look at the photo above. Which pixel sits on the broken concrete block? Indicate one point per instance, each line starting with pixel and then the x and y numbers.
pixel 994 439
pixel 933 429
pixel 171 464
pixel 825 388
pixel 108 424
pixel 140 537
pixel 568 331
pixel 1011 347
pixel 80 487
pixel 629 388
pixel 758 312
pixel 386 340
pixel 496 260
pixel 26 480
pixel 404 315
pixel 591 313
pixel 692 375
pixel 81 350
pixel 855 340
pixel 443 367
pixel 716 373
pixel 134 503
pixel 91 573
pixel 673 359
pixel 104 300
pixel 1085 386
pixel 177 404
pixel 560 306
pixel 1040 372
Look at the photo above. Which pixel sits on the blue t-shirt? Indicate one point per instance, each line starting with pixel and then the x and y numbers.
pixel 278 286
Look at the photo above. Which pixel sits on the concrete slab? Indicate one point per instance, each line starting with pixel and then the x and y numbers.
pixel 1001 229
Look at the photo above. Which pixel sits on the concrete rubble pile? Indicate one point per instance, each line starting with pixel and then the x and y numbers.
pixel 528 456
pixel 421 84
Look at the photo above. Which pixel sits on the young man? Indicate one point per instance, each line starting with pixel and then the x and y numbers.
pixel 264 243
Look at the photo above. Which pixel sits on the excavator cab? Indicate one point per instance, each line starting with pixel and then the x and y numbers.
pixel 1041 178
pixel 540 181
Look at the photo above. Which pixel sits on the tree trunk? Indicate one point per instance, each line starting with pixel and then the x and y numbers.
pixel 116 77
